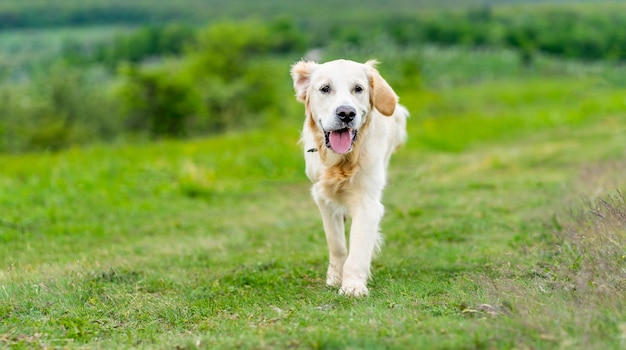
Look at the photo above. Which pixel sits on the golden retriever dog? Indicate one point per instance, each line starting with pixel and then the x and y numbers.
pixel 353 124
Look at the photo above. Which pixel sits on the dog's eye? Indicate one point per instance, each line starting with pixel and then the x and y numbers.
pixel 358 89
pixel 325 89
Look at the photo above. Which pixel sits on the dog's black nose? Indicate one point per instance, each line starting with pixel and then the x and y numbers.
pixel 345 113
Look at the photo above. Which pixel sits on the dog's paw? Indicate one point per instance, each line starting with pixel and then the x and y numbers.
pixel 333 281
pixel 333 278
pixel 354 289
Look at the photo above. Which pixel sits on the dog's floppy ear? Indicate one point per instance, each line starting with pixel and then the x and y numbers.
pixel 382 95
pixel 301 75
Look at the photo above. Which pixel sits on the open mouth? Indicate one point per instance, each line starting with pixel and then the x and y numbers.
pixel 341 140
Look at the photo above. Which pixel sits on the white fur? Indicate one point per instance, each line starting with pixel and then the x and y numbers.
pixel 361 192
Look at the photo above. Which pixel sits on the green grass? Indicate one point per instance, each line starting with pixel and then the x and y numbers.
pixel 215 243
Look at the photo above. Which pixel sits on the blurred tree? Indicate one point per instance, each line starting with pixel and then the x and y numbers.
pixel 136 46
pixel 286 37
pixel 156 99
pixel 231 68
pixel 224 81
pixel 62 107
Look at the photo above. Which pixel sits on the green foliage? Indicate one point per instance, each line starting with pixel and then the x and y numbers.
pixel 42 14
pixel 571 33
pixel 141 44
pixel 158 100
pixel 232 67
pixel 568 34
pixel 185 81
pixel 223 82
pixel 224 49
pixel 63 107
pixel 580 32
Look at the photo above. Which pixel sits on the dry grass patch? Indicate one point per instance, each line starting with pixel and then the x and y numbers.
pixel 592 250
pixel 574 295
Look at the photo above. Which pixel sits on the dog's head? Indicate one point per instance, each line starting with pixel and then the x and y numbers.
pixel 339 96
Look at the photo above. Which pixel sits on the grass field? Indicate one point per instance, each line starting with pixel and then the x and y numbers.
pixel 215 243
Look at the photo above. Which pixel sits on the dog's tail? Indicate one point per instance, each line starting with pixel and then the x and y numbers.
pixel 401 114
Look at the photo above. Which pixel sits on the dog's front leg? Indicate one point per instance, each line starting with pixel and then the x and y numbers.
pixel 333 218
pixel 364 238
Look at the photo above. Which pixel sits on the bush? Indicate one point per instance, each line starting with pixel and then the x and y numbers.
pixel 63 107
pixel 137 46
pixel 234 75
pixel 567 33
pixel 225 81
pixel 156 99
pixel 222 77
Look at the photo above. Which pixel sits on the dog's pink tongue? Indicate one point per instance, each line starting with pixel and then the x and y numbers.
pixel 340 140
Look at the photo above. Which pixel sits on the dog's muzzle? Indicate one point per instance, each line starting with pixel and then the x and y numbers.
pixel 343 135
pixel 341 140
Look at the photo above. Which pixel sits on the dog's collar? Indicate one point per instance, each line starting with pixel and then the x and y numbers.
pixel 311 150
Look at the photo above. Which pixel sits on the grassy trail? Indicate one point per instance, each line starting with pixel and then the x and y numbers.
pixel 216 243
